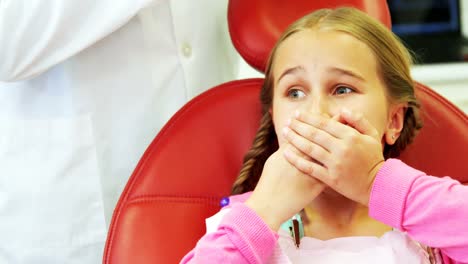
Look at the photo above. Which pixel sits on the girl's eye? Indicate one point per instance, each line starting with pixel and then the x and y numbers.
pixel 295 94
pixel 343 90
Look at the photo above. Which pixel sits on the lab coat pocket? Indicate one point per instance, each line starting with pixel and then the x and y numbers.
pixel 50 192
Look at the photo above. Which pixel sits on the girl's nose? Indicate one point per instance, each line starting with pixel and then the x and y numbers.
pixel 319 105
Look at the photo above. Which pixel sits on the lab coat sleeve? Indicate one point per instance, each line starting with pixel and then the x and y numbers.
pixel 35 35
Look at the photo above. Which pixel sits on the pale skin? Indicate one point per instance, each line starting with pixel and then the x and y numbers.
pixel 331 114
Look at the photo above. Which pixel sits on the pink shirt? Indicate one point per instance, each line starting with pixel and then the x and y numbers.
pixel 393 247
pixel 433 211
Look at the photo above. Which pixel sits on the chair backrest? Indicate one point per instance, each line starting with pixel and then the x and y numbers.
pixel 193 161
pixel 255 26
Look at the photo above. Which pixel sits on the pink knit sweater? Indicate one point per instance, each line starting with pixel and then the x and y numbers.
pixel 433 211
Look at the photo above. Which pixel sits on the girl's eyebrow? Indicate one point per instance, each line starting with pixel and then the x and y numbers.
pixel 341 71
pixel 347 72
pixel 292 70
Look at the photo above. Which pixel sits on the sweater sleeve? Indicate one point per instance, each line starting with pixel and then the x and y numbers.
pixel 432 210
pixel 241 237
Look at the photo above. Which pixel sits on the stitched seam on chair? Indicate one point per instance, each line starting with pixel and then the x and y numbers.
pixel 170 201
pixel 175 199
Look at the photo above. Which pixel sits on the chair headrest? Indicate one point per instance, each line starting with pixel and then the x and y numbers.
pixel 255 26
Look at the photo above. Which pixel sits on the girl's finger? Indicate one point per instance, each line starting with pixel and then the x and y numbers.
pixel 358 122
pixel 328 125
pixel 307 167
pixel 305 146
pixel 314 134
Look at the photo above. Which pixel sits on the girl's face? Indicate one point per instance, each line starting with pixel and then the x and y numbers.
pixel 324 71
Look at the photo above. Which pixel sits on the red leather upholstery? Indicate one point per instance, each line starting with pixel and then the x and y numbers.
pixel 194 160
pixel 441 147
pixel 182 176
pixel 256 25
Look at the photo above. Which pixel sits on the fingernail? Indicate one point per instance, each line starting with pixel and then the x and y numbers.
pixel 288 122
pixel 285 131
pixel 297 113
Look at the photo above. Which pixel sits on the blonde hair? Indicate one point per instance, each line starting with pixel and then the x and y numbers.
pixel 393 62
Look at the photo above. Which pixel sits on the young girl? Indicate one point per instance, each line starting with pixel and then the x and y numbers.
pixel 431 210
pixel 325 65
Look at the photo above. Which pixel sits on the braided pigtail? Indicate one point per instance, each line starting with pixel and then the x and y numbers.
pixel 264 145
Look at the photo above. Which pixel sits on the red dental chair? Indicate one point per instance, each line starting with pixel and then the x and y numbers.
pixel 195 158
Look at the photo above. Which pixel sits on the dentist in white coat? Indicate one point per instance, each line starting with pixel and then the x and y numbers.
pixel 84 88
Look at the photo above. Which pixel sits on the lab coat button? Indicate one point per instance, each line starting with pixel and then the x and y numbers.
pixel 186 50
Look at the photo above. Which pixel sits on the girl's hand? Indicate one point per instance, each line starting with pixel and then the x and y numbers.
pixel 349 154
pixel 282 190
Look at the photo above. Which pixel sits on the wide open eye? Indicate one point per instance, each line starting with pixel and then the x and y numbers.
pixel 295 93
pixel 343 90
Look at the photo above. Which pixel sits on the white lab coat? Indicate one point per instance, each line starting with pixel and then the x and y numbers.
pixel 85 87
